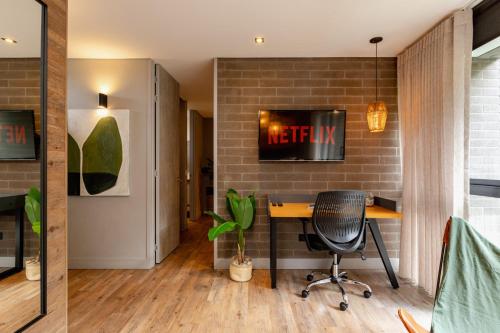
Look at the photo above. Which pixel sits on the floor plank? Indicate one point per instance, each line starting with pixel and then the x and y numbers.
pixel 185 294
pixel 19 301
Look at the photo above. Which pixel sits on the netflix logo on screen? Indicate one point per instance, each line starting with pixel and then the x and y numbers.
pixel 17 136
pixel 296 135
pixel 281 134
pixel 12 134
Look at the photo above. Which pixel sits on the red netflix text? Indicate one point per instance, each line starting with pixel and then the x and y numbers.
pixel 301 134
pixel 12 134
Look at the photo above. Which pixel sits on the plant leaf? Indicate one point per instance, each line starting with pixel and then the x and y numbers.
pixel 252 199
pixel 34 193
pixel 254 205
pixel 231 193
pixel 35 226
pixel 216 217
pixel 32 209
pixel 245 213
pixel 214 232
pixel 234 202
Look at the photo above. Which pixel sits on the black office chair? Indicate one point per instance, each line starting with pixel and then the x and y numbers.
pixel 339 225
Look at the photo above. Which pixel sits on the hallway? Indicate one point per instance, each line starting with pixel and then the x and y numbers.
pixel 145 301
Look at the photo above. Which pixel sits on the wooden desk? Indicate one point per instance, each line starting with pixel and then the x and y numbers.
pixel 14 204
pixel 303 210
pixel 298 207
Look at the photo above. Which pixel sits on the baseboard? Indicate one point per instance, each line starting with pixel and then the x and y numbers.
pixel 109 263
pixel 306 263
pixel 7 262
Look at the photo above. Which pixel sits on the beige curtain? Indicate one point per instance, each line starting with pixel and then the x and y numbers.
pixel 433 88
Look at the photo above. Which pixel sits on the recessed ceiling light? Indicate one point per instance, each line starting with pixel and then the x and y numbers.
pixel 9 40
pixel 259 40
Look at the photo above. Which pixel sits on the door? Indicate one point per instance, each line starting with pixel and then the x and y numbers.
pixel 196 159
pixel 183 162
pixel 166 163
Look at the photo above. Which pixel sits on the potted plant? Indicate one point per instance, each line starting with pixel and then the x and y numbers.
pixel 32 209
pixel 242 212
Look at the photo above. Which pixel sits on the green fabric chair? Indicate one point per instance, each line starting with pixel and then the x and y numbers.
pixel 468 294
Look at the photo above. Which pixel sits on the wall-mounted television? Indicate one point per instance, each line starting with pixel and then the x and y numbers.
pixel 302 135
pixel 17 135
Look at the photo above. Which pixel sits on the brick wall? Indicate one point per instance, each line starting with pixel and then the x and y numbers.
pixel 372 161
pixel 19 90
pixel 485 143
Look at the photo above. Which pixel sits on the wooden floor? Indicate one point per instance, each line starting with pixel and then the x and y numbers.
pixel 185 294
pixel 19 302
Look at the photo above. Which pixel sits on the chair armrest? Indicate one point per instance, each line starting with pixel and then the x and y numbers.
pixel 410 324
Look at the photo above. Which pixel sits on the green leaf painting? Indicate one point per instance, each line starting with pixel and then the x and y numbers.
pixel 98 152
pixel 73 166
pixel 102 156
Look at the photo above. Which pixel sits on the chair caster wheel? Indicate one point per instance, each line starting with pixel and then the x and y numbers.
pixel 343 306
pixel 305 293
pixel 367 294
pixel 309 277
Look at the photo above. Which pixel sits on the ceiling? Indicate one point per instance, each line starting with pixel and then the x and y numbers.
pixel 20 20
pixel 185 35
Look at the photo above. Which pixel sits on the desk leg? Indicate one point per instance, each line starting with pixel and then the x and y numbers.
pixel 272 252
pixel 379 242
pixel 19 238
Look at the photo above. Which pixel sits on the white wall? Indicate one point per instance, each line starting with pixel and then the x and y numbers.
pixel 116 232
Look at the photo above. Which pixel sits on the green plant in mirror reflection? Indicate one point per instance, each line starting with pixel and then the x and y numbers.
pixel 32 209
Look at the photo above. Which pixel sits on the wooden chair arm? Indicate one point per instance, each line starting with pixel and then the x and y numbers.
pixel 411 325
pixel 446 234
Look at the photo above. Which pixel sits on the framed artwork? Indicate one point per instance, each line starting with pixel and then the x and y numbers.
pixel 98 152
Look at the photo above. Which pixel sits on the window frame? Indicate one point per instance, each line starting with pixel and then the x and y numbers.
pixel 485 187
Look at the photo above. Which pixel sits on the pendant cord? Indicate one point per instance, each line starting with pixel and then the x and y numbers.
pixel 376 72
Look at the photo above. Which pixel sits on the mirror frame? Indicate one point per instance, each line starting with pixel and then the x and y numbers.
pixel 43 166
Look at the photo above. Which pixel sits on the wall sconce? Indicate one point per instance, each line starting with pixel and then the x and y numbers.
pixel 9 40
pixel 103 101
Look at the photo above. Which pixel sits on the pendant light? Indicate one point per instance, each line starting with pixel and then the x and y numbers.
pixel 377 111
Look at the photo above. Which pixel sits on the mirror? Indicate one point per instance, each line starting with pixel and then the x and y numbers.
pixel 22 163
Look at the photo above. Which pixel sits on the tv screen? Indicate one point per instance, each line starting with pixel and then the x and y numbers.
pixel 308 135
pixel 17 135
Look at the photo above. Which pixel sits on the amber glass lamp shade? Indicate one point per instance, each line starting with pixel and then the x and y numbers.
pixel 376 116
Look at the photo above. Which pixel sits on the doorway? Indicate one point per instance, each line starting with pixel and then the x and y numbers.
pixel 183 165
pixel 200 164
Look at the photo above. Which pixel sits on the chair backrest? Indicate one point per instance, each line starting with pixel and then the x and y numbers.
pixel 339 216
pixel 468 282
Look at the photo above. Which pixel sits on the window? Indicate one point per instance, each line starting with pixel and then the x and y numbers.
pixel 485 144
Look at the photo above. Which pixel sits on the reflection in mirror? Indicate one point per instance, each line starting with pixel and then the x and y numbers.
pixel 21 132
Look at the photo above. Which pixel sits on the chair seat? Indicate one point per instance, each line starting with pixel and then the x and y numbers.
pixel 318 245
